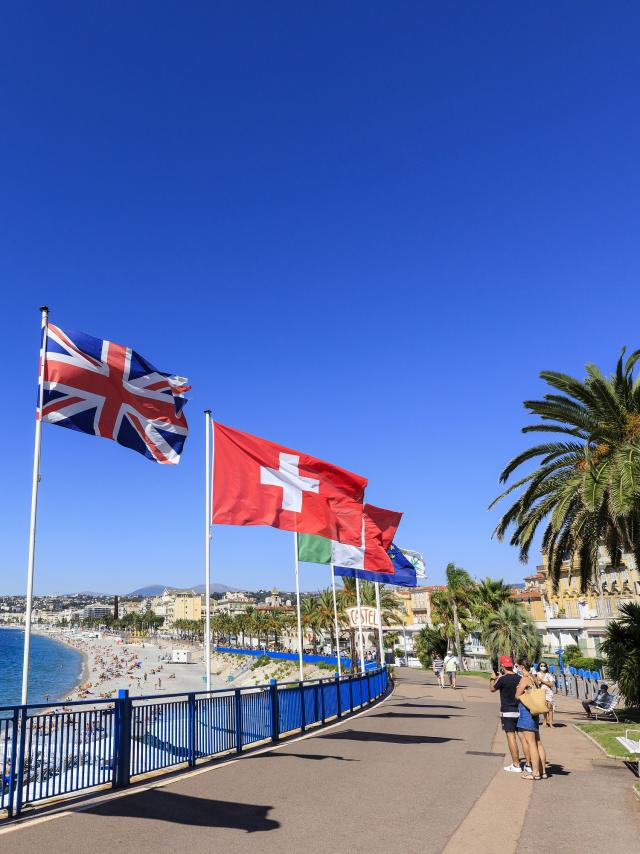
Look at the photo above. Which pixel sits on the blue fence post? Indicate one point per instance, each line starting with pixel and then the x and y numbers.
pixel 339 698
pixel 20 760
pixel 275 712
pixel 238 710
pixel 122 739
pixel 303 711
pixel 316 712
pixel 191 729
pixel 322 705
pixel 15 780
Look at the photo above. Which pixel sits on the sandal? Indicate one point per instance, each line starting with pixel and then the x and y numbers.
pixel 526 776
pixel 545 776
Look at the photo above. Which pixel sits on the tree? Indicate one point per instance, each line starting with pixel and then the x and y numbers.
pixel 511 631
pixel 622 648
pixel 488 596
pixel 428 642
pixel 585 489
pixel 452 605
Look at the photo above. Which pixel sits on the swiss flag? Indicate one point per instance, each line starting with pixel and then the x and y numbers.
pixel 379 527
pixel 256 482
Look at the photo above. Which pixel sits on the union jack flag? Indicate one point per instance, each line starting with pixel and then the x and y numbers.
pixel 108 390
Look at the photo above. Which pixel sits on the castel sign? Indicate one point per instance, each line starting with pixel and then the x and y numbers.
pixel 365 617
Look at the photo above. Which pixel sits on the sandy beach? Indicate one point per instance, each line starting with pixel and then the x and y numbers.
pixel 141 665
pixel 144 666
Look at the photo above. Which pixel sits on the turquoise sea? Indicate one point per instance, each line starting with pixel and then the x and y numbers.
pixel 55 668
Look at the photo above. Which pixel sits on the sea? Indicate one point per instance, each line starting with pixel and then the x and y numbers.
pixel 55 668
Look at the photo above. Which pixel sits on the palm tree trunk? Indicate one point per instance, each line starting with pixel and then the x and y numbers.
pixel 456 629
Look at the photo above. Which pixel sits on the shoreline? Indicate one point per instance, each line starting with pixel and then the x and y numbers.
pixel 84 670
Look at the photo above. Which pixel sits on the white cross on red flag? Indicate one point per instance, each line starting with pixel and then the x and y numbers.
pixel 257 482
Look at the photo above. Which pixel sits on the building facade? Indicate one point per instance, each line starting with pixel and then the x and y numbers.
pixel 567 616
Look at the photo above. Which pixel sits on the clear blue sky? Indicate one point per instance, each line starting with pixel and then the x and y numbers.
pixel 360 229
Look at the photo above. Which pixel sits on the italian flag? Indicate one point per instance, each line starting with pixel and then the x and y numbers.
pixel 379 529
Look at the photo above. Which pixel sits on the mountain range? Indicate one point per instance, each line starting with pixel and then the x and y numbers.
pixel 156 589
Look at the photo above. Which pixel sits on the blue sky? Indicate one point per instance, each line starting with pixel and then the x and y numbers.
pixel 360 229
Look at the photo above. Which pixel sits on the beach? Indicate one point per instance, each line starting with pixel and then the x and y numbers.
pixel 141 665
pixel 144 666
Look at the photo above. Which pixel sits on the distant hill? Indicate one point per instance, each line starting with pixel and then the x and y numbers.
pixel 156 589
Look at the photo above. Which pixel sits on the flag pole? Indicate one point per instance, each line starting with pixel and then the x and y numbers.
pixel 207 544
pixel 360 638
pixel 335 619
pixel 44 315
pixel 379 609
pixel 298 615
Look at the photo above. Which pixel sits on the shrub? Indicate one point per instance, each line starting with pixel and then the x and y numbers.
pixel 262 661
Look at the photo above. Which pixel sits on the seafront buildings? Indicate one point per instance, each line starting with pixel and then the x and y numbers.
pixel 568 616
pixel 564 617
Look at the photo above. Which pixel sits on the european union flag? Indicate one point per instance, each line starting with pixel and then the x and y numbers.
pixel 404 574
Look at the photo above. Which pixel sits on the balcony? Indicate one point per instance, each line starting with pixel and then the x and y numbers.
pixel 565 623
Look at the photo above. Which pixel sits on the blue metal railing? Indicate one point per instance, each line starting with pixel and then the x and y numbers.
pixel 52 751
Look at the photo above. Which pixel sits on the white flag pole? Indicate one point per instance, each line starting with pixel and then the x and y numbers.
pixel 44 314
pixel 379 609
pixel 298 615
pixel 207 544
pixel 335 620
pixel 360 638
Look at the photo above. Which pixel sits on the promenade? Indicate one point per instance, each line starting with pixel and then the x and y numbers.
pixel 421 772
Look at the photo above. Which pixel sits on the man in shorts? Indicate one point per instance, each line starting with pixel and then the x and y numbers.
pixel 450 668
pixel 506 685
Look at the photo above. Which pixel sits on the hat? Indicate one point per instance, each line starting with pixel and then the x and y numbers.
pixel 506 661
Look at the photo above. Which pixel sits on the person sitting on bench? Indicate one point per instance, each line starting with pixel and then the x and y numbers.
pixel 602 699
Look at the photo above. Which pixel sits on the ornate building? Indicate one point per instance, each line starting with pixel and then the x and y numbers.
pixel 568 616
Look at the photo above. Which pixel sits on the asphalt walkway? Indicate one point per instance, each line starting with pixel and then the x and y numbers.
pixel 421 772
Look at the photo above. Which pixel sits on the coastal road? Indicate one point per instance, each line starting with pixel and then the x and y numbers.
pixel 421 772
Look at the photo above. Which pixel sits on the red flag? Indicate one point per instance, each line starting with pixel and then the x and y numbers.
pixel 256 482
pixel 378 530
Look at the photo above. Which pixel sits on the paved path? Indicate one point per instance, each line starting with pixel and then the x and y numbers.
pixel 420 773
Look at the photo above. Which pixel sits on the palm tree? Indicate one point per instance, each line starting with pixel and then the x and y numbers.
pixel 309 618
pixel 448 624
pixel 457 599
pixel 511 631
pixel 586 489
pixel 488 596
pixel 622 648
pixel 241 626
pixel 429 642
pixel 325 615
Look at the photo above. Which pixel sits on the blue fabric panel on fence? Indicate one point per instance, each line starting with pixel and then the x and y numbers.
pixel 287 656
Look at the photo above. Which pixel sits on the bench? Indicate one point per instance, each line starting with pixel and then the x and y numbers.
pixel 608 710
pixel 631 746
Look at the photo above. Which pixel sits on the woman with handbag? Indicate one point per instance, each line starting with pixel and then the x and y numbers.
pixel 532 703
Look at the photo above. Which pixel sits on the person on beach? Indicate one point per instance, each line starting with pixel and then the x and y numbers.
pixel 506 685
pixel 528 725
pixel 438 666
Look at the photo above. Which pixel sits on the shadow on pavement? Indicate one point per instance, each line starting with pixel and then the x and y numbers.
pixel 280 755
pixel 387 737
pixel 162 805
pixel 422 706
pixel 557 771
pixel 413 715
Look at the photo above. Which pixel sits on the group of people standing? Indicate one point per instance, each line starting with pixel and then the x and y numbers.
pixel 519 721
